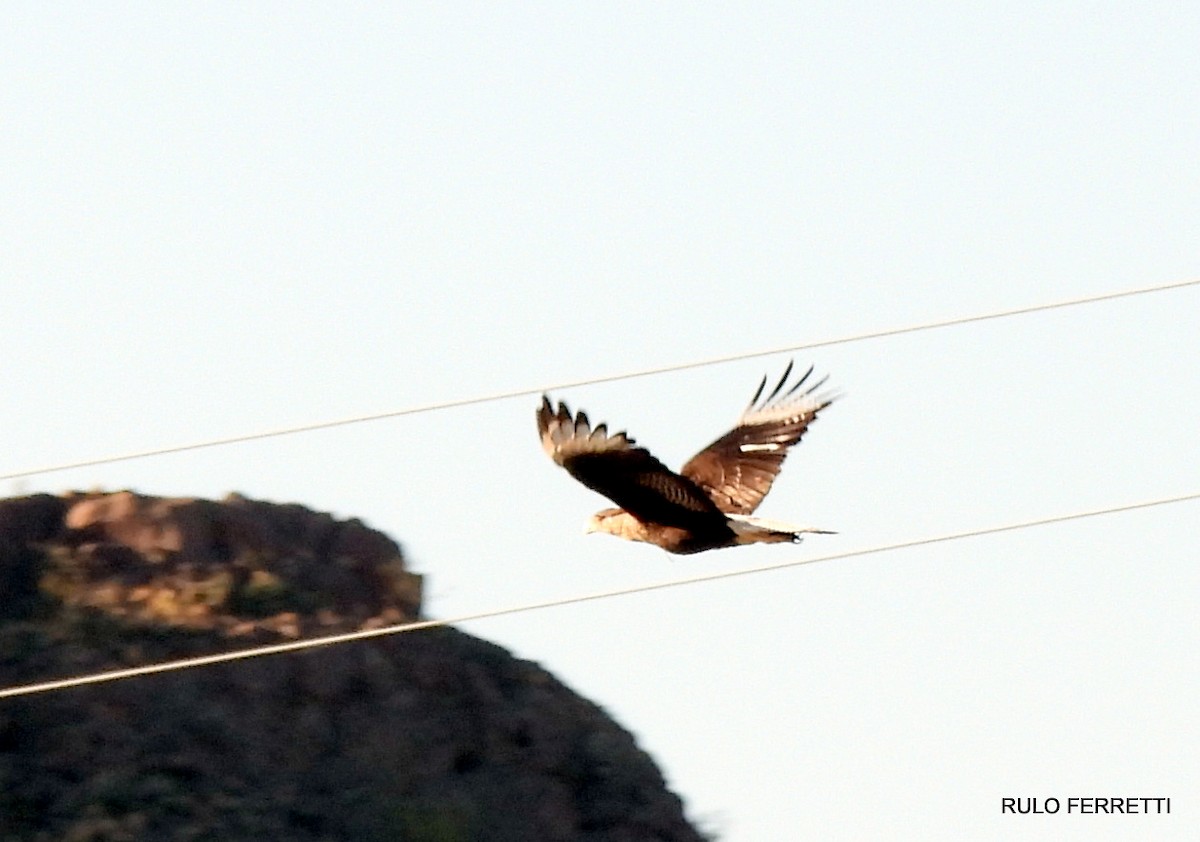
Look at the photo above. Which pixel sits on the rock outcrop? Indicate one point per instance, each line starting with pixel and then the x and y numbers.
pixel 432 735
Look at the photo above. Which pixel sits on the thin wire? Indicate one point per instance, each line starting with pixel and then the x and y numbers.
pixel 347 637
pixel 646 372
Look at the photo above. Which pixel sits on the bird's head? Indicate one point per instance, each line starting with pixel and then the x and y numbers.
pixel 602 521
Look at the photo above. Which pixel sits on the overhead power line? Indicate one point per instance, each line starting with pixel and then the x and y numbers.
pixel 498 396
pixel 348 637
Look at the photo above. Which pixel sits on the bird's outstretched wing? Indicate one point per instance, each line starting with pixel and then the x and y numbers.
pixel 737 470
pixel 616 467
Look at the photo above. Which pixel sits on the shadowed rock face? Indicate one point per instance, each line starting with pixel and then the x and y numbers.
pixel 431 735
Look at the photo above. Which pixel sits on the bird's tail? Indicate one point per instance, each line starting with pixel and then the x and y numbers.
pixel 757 530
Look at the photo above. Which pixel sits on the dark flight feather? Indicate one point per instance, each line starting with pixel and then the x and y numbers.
pixel 738 469
pixel 615 467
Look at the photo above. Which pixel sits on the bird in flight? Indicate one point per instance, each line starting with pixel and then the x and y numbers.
pixel 707 505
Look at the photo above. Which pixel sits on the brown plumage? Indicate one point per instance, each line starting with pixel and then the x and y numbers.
pixel 709 503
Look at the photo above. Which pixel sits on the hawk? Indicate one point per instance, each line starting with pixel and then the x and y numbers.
pixel 707 505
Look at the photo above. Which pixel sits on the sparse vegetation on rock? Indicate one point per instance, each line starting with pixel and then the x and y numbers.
pixel 429 737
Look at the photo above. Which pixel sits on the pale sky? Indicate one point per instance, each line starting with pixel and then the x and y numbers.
pixel 226 218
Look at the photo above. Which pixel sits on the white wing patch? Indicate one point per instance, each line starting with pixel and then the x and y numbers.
pixel 752 448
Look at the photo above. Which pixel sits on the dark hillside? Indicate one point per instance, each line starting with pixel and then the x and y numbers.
pixel 431 736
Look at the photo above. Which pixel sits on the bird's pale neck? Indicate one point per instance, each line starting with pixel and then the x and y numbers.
pixel 617 522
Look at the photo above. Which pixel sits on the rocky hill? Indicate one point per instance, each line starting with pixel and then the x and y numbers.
pixel 432 736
